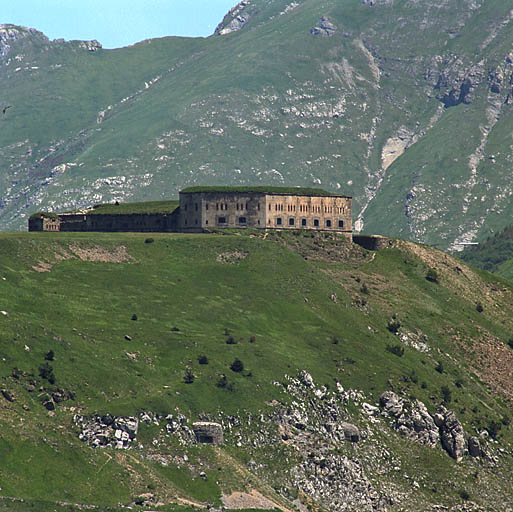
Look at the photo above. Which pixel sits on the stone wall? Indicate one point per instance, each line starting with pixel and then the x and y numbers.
pixel 143 223
pixel 201 211
pixel 373 242
pixel 320 213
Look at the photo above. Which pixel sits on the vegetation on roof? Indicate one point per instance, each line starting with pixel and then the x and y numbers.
pixel 141 208
pixel 298 191
pixel 47 215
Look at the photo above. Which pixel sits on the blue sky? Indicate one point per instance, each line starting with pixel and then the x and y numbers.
pixel 116 23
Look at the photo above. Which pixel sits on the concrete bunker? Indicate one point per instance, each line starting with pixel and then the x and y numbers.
pixel 208 432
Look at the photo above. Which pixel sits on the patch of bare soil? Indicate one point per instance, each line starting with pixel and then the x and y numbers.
pixel 231 257
pixel 241 500
pixel 93 253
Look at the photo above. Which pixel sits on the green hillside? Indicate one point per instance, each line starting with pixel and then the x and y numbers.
pixel 495 254
pixel 118 326
pixel 404 105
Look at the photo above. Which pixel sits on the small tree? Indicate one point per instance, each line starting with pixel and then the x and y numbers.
pixel 221 382
pixel 46 372
pixel 203 359
pixel 479 307
pixel 188 378
pixel 432 275
pixel 364 289
pixel 446 394
pixel 237 366
pixel 397 350
pixel 439 367
pixel 49 356
pixel 394 325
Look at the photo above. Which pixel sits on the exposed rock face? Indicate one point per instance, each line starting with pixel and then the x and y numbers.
pixel 452 434
pixel 208 432
pixel 235 20
pixel 324 28
pixel 10 34
pixel 102 431
pixel 474 446
pixel 91 46
pixel 412 419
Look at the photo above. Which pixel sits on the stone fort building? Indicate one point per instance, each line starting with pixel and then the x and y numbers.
pixel 206 208
pixel 202 209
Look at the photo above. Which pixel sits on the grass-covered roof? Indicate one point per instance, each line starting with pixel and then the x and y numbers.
pixel 141 208
pixel 297 191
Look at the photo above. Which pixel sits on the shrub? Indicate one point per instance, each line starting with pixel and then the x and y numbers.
pixel 510 343
pixel 432 275
pixel 394 325
pixel 439 367
pixel 459 383
pixel 188 378
pixel 231 340
pixel 506 420
pixel 237 366
pixel 493 428
pixel 252 339
pixel 464 495
pixel 479 307
pixel 334 340
pixel 364 289
pixel 221 382
pixel 397 350
pixel 49 356
pixel 134 317
pixel 203 359
pixel 446 394
pixel 46 372
pixel 149 241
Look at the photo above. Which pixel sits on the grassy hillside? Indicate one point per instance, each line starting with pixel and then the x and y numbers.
pixel 116 325
pixel 494 254
pixel 374 110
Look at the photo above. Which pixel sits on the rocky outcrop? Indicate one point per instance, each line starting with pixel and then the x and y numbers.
pixel 107 430
pixel 9 34
pixel 451 433
pixel 235 20
pixel 412 419
pixel 324 28
pixel 91 46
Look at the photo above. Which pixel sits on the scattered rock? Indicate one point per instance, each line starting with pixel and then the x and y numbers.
pixel 128 338
pixel 101 431
pixel 8 396
pixel 324 28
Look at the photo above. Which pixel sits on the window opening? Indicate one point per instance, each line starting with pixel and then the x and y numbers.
pixel 278 221
pixel 328 223
pixel 292 221
pixel 303 222
pixel 316 223
pixel 340 223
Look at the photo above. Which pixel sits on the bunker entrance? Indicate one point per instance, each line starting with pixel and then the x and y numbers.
pixel 202 438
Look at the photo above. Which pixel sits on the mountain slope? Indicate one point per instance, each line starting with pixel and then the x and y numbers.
pixel 101 332
pixel 404 105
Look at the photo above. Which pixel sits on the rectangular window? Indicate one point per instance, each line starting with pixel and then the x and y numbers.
pixel 217 206
pixel 278 221
pixel 316 223
pixel 303 222
pixel 196 205
pixel 292 221
pixel 206 206
pixel 340 223
pixel 328 223
pixel 242 220
pixel 221 220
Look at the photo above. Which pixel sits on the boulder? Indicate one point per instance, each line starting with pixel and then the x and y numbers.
pixel 453 436
pixel 351 432
pixel 474 446
pixel 324 28
pixel 391 403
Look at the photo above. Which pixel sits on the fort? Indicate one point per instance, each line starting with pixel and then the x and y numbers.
pixel 203 209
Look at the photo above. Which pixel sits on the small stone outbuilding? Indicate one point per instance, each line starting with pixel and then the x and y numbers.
pixel 208 432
